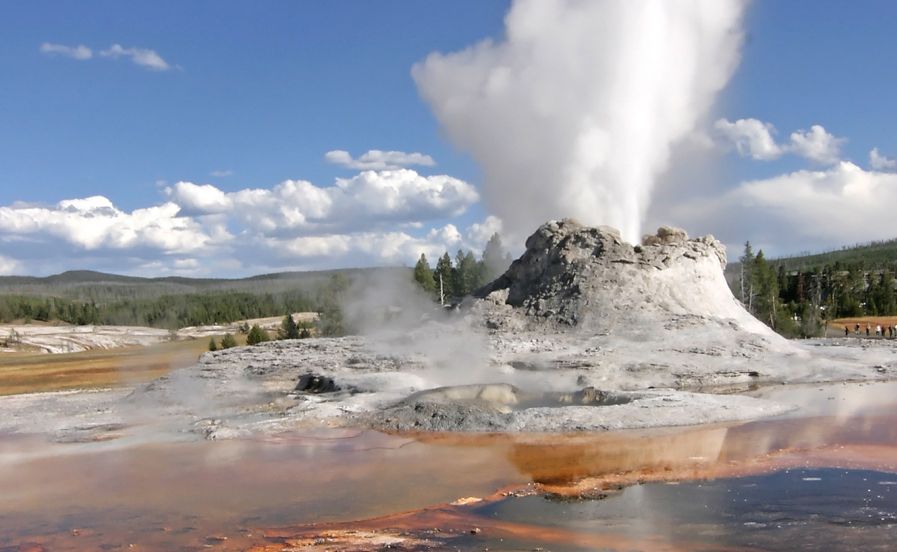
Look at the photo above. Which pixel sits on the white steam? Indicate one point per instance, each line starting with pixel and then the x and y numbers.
pixel 575 111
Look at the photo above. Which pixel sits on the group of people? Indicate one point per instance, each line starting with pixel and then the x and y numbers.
pixel 879 330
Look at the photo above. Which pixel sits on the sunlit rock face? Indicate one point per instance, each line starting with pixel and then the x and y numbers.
pixel 586 277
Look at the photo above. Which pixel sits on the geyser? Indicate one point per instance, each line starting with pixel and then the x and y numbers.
pixel 574 112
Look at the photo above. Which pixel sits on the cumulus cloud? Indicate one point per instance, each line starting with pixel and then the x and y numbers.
pixel 373 247
pixel 79 52
pixel 95 223
pixel 880 162
pixel 575 111
pixel 754 138
pixel 799 211
pixel 203 199
pixel 139 56
pixel 372 218
pixel 368 199
pixel 817 145
pixel 480 232
pixel 378 160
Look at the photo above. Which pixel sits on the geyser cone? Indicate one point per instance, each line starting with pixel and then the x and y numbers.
pixel 575 276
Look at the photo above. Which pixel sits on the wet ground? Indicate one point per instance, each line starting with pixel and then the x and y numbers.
pixel 822 477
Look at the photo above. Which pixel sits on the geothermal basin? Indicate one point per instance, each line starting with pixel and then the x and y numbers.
pixel 597 395
pixel 823 475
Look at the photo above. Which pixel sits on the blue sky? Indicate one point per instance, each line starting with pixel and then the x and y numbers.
pixel 249 96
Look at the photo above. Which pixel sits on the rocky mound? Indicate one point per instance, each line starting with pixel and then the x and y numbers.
pixel 577 276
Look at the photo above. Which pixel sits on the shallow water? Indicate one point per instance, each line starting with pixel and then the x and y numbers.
pixel 809 509
pixel 821 477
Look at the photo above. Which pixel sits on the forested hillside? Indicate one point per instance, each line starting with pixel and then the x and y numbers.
pixel 85 297
pixel 795 295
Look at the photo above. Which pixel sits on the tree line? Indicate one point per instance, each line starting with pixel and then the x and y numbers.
pixel 451 280
pixel 797 302
pixel 178 311
pixel 255 334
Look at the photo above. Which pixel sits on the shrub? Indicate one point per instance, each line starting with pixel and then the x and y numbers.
pixel 256 335
pixel 228 341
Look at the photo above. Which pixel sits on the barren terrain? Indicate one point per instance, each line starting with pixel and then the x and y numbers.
pixel 584 332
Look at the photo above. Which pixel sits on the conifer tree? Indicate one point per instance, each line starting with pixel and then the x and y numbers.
pixel 465 278
pixel 228 341
pixel 423 275
pixel 747 280
pixel 288 328
pixel 256 335
pixel 444 271
pixel 767 290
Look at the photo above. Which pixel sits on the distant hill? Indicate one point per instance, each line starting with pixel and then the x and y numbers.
pixel 101 287
pixel 873 256
pixel 88 297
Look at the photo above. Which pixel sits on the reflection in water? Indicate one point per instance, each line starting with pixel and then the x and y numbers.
pixel 798 477
pixel 825 509
pixel 181 494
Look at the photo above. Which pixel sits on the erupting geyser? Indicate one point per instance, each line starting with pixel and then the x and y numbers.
pixel 574 113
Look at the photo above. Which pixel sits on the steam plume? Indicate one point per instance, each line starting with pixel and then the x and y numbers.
pixel 575 111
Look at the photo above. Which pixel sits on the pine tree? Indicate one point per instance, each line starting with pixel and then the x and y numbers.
pixel 256 335
pixel 228 341
pixel 423 275
pixel 747 280
pixel 330 321
pixel 288 328
pixel 464 279
pixel 444 271
pixel 767 290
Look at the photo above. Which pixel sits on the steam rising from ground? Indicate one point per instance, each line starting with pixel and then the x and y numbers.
pixel 452 347
pixel 400 318
pixel 575 111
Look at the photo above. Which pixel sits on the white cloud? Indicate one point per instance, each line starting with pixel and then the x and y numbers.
pixel 95 223
pixel 93 233
pixel 143 57
pixel 8 266
pixel 374 248
pixel 379 160
pixel 140 56
pixel 202 199
pixel 221 173
pixel 373 218
pixel 480 232
pixel 817 145
pixel 799 211
pixel 79 52
pixel 881 162
pixel 752 138
pixel 365 200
